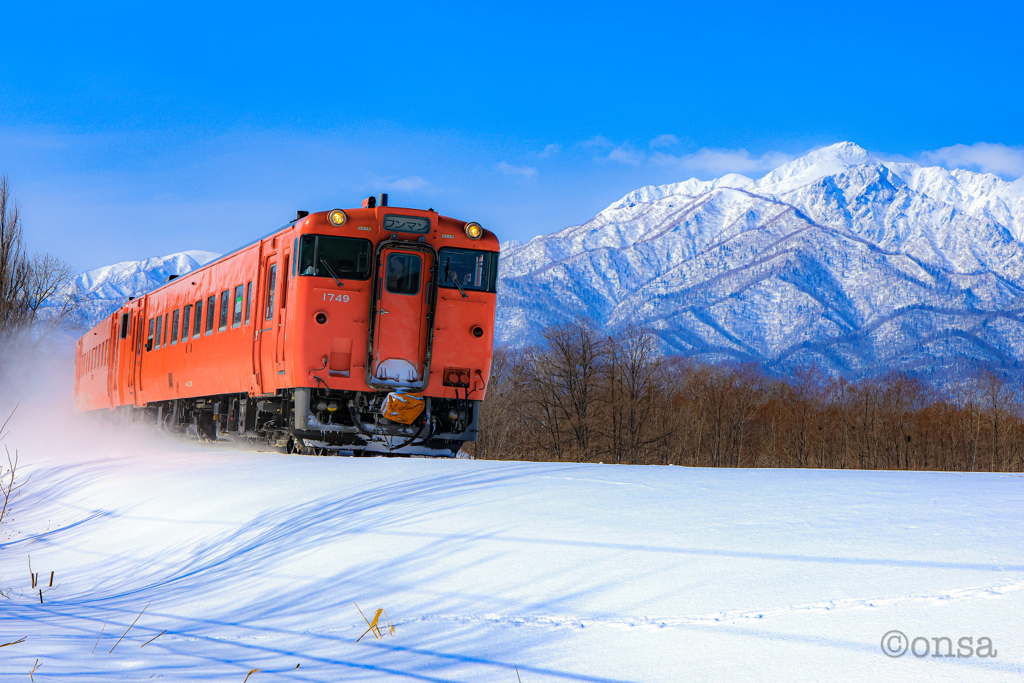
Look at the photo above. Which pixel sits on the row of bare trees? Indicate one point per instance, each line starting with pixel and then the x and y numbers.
pixel 27 281
pixel 588 397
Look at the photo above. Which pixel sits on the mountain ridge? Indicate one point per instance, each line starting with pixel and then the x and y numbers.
pixel 831 259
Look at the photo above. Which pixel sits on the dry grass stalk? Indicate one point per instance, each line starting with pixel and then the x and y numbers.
pixel 153 638
pixel 8 482
pixel 251 672
pixel 100 636
pixel 31 674
pixel 372 625
pixel 15 642
pixel 130 627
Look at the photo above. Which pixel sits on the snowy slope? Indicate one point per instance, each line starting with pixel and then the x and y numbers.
pixel 568 572
pixel 838 258
pixel 106 289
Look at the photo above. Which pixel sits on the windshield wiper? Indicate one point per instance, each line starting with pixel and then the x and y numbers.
pixel 336 280
pixel 448 276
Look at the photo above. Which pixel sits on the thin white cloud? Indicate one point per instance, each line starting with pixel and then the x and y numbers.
pixel 411 183
pixel 523 171
pixel 712 163
pixel 664 140
pixel 624 154
pixel 598 141
pixel 550 151
pixel 986 157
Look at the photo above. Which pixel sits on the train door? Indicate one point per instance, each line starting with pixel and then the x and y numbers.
pixel 131 355
pixel 284 283
pixel 269 324
pixel 401 326
pixel 117 323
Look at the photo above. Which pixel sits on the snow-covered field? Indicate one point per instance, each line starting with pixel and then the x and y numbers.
pixel 567 572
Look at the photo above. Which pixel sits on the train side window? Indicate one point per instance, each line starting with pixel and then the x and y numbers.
pixel 197 328
pixel 159 329
pixel 271 283
pixel 186 319
pixel 225 301
pixel 295 250
pixel 211 305
pixel 284 281
pixel 402 274
pixel 149 339
pixel 124 325
pixel 167 326
pixel 175 322
pixel 248 300
pixel 236 312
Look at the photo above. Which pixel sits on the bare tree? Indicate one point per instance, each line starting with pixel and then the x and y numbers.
pixel 28 282
pixel 576 352
pixel 634 389
pixel 501 428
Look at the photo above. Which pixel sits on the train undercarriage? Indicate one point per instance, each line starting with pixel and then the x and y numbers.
pixel 317 422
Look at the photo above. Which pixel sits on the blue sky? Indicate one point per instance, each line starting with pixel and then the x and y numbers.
pixel 130 131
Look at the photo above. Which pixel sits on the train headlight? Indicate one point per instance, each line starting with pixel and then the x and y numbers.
pixel 337 218
pixel 473 231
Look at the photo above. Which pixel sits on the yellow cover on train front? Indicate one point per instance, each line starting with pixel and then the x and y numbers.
pixel 404 408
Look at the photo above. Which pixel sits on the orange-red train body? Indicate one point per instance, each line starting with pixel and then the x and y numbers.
pixel 298 338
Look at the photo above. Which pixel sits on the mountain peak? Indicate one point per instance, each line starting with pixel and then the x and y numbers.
pixel 813 166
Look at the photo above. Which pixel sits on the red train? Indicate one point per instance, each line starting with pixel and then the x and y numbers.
pixel 348 331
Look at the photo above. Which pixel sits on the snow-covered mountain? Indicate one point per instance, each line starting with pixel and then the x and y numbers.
pixel 106 289
pixel 839 258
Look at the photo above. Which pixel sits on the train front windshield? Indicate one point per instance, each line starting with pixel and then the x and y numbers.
pixel 344 258
pixel 468 269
